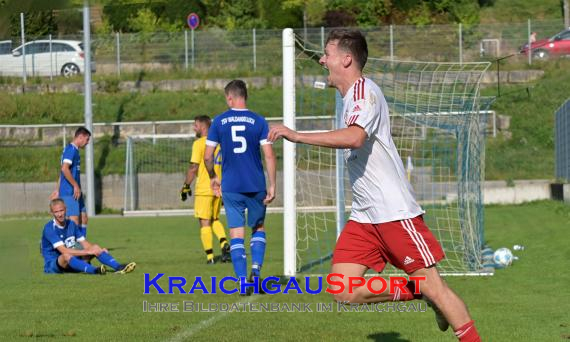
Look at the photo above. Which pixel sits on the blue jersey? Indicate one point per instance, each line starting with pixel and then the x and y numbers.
pixel 54 236
pixel 70 156
pixel 240 133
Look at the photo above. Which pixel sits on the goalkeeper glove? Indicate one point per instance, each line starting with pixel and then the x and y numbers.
pixel 185 192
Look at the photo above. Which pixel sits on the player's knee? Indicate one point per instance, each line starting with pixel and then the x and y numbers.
pixel 432 284
pixel 66 258
pixel 98 249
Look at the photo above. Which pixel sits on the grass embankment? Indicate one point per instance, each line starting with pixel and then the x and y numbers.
pixel 528 154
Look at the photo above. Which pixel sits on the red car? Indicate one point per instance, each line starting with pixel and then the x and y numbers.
pixel 557 45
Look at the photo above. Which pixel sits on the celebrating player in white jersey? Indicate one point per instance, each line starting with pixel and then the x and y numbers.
pixel 385 224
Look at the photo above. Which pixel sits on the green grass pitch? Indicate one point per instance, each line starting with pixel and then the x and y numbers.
pixel 525 302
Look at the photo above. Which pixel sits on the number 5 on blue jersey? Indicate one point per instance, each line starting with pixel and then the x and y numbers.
pixel 240 134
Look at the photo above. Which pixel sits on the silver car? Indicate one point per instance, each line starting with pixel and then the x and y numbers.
pixel 45 58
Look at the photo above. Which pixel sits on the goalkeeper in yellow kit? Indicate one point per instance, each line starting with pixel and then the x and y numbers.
pixel 206 205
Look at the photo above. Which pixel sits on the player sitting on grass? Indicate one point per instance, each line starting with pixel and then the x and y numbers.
pixel 59 237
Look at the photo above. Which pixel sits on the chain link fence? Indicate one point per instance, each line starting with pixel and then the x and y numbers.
pixel 244 51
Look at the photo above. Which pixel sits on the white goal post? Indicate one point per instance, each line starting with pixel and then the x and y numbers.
pixel 289 162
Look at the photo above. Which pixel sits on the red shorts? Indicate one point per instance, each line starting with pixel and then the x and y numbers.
pixel 408 244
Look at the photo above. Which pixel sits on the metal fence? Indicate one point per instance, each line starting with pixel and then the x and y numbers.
pixel 30 156
pixel 562 138
pixel 61 134
pixel 216 50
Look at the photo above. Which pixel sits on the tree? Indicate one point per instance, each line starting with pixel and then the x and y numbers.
pixel 37 24
pixel 313 10
pixel 147 21
pixel 39 18
pixel 276 16
pixel 234 14
pixel 366 13
pixel 118 13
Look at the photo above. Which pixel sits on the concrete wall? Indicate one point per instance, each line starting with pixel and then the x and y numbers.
pixel 499 192
pixel 163 189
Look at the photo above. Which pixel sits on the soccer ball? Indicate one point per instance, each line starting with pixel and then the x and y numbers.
pixel 502 257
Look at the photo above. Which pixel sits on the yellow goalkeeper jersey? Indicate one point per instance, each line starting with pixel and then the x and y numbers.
pixel 202 178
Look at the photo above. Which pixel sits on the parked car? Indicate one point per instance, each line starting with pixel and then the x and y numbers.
pixel 555 46
pixel 45 58
pixel 5 47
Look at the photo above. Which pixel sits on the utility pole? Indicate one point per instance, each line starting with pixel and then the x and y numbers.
pixel 89 170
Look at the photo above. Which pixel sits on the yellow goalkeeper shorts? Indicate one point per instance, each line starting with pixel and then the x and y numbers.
pixel 207 207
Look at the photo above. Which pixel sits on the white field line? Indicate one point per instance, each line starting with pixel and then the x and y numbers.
pixel 196 328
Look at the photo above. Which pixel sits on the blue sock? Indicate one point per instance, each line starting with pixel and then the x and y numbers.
pixel 83 230
pixel 257 252
pixel 81 266
pixel 239 260
pixel 107 259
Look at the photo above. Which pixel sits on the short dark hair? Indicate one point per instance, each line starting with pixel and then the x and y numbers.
pixel 82 131
pixel 204 119
pixel 236 88
pixel 351 41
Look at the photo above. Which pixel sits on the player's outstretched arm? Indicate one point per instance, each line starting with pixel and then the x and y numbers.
pixel 351 137
pixel 271 165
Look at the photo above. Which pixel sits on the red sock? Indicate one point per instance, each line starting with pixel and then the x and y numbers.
pixel 468 333
pixel 401 296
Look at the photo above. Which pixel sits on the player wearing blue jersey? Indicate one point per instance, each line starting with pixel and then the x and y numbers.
pixel 69 183
pixel 58 238
pixel 241 134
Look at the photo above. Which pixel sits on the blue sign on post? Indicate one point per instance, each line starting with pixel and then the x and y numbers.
pixel 193 20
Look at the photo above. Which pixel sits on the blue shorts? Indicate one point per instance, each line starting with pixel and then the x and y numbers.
pixel 236 203
pixel 52 266
pixel 73 207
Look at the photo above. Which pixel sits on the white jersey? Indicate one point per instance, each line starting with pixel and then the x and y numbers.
pixel 380 188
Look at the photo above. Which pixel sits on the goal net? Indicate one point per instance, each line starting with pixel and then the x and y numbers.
pixel 439 132
pixel 155 167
